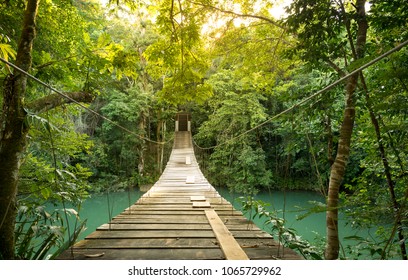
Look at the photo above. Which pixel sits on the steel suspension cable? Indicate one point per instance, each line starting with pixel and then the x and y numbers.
pixel 334 84
pixel 78 103
pixel 302 102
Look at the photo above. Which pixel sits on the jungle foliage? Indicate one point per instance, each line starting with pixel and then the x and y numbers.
pixel 236 68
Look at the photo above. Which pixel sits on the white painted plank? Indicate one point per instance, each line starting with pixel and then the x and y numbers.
pixel 197 198
pixel 199 204
pixel 190 179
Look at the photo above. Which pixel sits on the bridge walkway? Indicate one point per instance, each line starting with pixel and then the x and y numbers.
pixel 181 217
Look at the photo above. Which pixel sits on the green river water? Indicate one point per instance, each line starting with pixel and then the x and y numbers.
pixel 100 208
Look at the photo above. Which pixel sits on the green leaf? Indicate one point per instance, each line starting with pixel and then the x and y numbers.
pixel 354 237
pixel 46 193
pixel 317 207
pixel 7 52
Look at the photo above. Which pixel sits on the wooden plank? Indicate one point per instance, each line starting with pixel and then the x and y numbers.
pixel 161 206
pixel 190 179
pixel 182 189
pixel 180 199
pixel 123 224
pixel 165 243
pixel 177 211
pixel 276 252
pixel 236 220
pixel 197 198
pixel 158 209
pixel 229 246
pixel 200 204
pixel 163 211
pixel 176 206
pixel 205 193
pixel 257 234
pixel 188 160
pixel 181 215
pixel 172 220
pixel 114 234
pixel 143 254
pixel 135 226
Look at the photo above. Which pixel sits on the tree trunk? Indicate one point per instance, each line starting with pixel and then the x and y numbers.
pixel 159 138
pixel 13 132
pixel 329 133
pixel 159 148
pixel 387 171
pixel 338 168
pixel 142 129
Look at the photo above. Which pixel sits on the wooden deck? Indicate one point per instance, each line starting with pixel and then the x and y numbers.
pixel 181 217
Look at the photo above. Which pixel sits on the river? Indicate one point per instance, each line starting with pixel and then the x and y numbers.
pixel 100 208
pixel 293 207
pixel 96 209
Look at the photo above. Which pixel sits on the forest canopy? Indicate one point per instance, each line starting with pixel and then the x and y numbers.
pixel 106 79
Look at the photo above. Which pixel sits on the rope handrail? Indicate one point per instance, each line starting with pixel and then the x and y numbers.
pixel 80 104
pixel 302 102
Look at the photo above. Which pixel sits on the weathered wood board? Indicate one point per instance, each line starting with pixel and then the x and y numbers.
pixel 229 245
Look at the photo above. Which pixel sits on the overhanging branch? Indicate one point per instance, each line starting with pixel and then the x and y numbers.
pixel 55 100
pixel 264 18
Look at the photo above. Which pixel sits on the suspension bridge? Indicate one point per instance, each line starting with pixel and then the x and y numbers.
pixel 181 217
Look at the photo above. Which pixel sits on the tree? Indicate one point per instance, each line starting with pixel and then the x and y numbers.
pixel 178 57
pixel 338 168
pixel 382 85
pixel 237 160
pixel 327 30
pixel 14 127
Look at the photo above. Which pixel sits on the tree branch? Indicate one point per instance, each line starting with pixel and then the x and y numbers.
pixel 52 101
pixel 264 18
pixel 333 65
pixel 49 63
